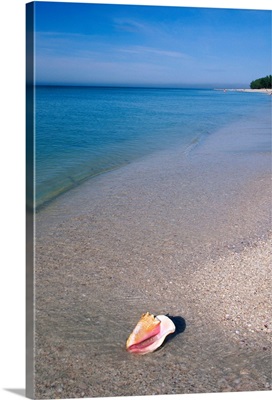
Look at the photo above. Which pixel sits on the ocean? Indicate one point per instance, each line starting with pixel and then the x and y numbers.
pixel 81 132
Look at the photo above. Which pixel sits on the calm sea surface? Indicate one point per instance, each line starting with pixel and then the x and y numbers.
pixel 83 131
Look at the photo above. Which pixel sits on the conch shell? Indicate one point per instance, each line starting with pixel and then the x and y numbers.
pixel 149 333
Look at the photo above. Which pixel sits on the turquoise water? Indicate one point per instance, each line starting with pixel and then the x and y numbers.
pixel 84 131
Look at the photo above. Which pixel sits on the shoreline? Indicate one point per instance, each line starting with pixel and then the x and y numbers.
pixel 51 185
pixel 263 91
pixel 185 235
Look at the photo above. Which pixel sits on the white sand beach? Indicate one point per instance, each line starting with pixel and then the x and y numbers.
pixel 265 91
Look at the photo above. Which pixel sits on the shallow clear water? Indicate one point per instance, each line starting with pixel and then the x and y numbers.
pixel 83 131
pixel 137 239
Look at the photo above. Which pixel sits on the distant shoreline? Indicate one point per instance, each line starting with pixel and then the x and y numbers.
pixel 266 91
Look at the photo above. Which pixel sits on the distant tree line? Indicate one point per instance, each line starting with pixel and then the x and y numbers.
pixel 262 83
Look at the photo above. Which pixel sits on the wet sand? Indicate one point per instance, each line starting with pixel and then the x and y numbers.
pixel 183 234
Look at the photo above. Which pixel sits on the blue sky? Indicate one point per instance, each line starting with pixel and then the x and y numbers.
pixel 95 44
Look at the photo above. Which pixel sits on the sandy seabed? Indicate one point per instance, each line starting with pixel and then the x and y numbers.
pixel 184 234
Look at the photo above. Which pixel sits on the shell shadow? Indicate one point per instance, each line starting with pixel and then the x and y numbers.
pixel 180 325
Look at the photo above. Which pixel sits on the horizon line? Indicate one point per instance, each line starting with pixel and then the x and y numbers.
pixel 131 86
